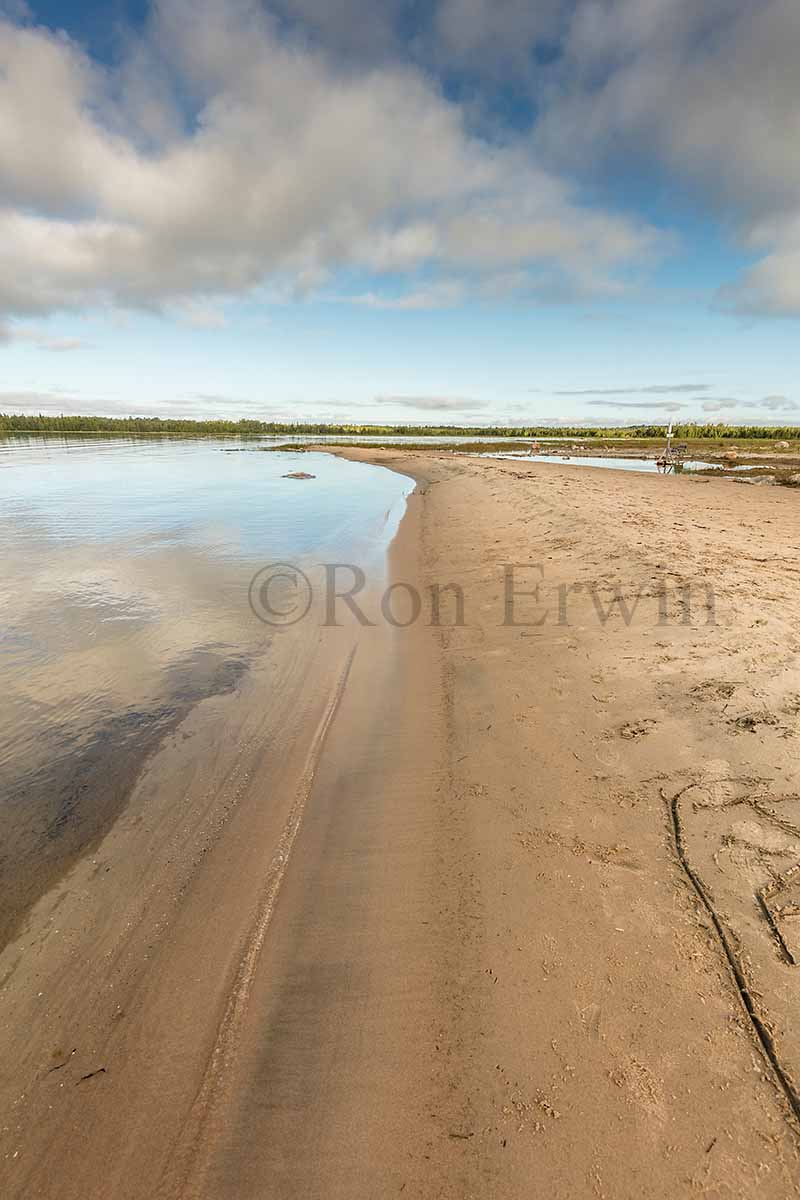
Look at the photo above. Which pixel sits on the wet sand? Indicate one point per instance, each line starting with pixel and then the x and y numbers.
pixel 491 910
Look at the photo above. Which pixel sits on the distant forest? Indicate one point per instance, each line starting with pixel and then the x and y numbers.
pixel 19 423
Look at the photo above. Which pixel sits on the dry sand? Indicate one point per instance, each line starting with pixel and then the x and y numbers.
pixel 482 911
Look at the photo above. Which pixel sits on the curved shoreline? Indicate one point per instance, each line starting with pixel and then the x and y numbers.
pixel 483 965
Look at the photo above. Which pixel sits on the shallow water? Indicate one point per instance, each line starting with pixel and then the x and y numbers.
pixel 126 569
pixel 614 464
pixel 186 492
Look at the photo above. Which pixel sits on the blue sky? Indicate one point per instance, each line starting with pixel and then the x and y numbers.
pixel 464 211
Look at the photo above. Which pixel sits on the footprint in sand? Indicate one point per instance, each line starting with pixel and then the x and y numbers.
pixel 636 729
pixel 608 756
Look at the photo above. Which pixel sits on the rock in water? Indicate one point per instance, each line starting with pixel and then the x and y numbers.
pixel 298 475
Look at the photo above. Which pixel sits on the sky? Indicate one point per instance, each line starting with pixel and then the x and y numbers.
pixel 450 211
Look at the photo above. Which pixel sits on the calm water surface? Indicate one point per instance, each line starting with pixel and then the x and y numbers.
pixel 614 464
pixel 126 567
pixel 191 492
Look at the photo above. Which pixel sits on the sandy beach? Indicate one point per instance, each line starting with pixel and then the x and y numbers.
pixel 501 903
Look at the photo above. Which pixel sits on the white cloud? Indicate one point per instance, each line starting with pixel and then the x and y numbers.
pixel 656 389
pixel 289 168
pixel 61 345
pixel 10 333
pixel 443 294
pixel 770 288
pixel 780 404
pixel 198 406
pixel 495 35
pixel 52 403
pixel 770 404
pixel 707 93
pixel 201 316
pixel 240 144
pixel 478 37
pixel 650 405
pixel 434 403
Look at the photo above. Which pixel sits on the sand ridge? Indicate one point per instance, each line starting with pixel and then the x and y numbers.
pixel 609 998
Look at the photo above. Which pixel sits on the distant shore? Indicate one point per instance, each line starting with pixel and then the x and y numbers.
pixel 720 434
pixel 771 452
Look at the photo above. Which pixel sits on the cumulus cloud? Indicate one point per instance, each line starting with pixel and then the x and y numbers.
pixel 238 144
pixel 352 29
pixel 493 35
pixel 771 287
pixel 706 94
pixel 468 37
pixel 286 168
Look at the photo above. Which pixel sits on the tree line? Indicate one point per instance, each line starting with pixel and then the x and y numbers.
pixel 21 423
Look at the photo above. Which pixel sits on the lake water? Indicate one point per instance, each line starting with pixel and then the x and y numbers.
pixel 585 460
pixel 126 572
pixel 126 599
pixel 202 493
